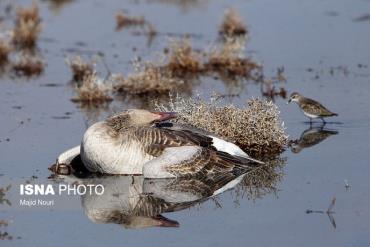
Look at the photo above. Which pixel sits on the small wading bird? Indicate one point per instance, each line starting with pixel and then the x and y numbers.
pixel 132 142
pixel 311 108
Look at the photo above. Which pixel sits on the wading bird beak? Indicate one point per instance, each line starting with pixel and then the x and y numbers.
pixel 290 100
pixel 163 116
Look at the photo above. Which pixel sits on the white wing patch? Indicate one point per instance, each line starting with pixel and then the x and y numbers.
pixel 231 148
pixel 228 147
pixel 171 156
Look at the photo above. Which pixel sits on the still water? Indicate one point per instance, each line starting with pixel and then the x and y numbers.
pixel 325 52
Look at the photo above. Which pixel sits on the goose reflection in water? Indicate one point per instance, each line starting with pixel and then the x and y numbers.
pixel 136 202
pixel 311 137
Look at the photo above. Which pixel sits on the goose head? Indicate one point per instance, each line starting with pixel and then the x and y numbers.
pixel 138 118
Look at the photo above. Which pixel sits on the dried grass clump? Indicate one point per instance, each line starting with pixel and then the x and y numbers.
pixel 256 128
pixel 183 59
pixel 28 65
pixel 229 61
pixel 123 20
pixel 5 49
pixel 232 24
pixel 149 80
pixel 27 27
pixel 92 90
pixel 80 68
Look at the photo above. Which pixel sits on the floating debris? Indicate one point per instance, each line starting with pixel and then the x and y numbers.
pixel 3 191
pixel 4 223
pixel 5 236
pixel 123 20
pixel 232 24
pixel 362 18
pixel 329 212
pixel 57 5
pixel 346 184
pixel 92 90
pixel 27 27
pixel 256 128
pixel 269 90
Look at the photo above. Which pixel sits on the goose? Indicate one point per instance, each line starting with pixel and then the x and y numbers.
pixel 132 142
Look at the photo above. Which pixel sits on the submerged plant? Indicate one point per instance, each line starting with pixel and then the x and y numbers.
pixel 92 90
pixel 27 27
pixel 256 128
pixel 232 24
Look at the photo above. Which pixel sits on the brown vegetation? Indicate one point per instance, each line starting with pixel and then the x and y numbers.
pixel 182 59
pixel 28 65
pixel 92 90
pixel 148 80
pixel 256 128
pixel 80 68
pixel 232 24
pixel 229 61
pixel 123 20
pixel 27 27
pixel 4 52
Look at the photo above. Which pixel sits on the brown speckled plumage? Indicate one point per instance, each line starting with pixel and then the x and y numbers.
pixel 311 108
pixel 315 108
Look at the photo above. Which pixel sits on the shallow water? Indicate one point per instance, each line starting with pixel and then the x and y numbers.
pixel 310 39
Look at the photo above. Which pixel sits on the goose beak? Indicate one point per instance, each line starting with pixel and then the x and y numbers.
pixel 164 116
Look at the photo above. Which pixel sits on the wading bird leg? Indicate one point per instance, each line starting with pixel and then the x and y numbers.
pixel 323 121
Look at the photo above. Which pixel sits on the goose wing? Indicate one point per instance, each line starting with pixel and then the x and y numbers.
pixel 182 161
pixel 158 138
